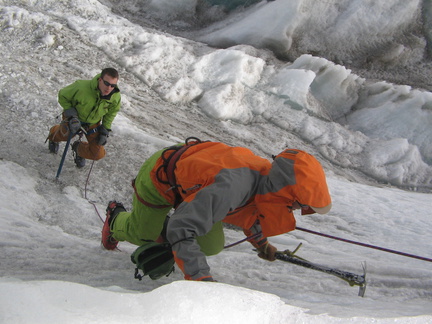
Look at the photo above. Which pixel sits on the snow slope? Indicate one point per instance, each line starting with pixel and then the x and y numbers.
pixel 372 136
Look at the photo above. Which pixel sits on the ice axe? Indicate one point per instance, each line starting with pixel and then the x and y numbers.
pixel 352 278
pixel 64 154
pixel 80 132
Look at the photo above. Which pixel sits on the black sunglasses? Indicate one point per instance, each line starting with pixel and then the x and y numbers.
pixel 109 84
pixel 303 206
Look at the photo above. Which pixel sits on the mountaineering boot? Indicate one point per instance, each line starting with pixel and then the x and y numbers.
pixel 53 147
pixel 113 209
pixel 79 161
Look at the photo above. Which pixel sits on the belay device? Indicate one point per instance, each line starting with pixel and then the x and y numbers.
pixel 153 259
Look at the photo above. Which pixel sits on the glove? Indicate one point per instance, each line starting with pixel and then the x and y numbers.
pixel 71 112
pixel 103 135
pixel 267 252
pixel 74 125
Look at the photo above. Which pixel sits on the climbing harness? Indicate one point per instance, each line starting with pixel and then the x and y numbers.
pixel 146 203
pixel 169 165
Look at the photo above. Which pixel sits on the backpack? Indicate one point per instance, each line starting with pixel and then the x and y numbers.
pixel 154 259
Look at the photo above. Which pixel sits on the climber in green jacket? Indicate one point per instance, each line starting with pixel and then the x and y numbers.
pixel 89 106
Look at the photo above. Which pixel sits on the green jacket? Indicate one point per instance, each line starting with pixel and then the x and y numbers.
pixel 85 97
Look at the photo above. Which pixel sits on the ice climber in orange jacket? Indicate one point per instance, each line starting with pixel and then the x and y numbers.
pixel 208 183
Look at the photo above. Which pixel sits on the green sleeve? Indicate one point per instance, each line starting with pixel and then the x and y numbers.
pixel 66 96
pixel 108 118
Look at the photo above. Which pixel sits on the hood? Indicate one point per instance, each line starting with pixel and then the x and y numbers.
pixel 294 176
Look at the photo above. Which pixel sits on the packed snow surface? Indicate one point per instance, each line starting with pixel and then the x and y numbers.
pixel 315 75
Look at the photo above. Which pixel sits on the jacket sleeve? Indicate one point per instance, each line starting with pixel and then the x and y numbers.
pixel 192 219
pixel 108 118
pixel 255 236
pixel 66 96
pixel 197 214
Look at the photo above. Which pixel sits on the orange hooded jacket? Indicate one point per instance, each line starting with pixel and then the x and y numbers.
pixel 293 176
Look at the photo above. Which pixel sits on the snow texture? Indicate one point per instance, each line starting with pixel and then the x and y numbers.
pixel 347 81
